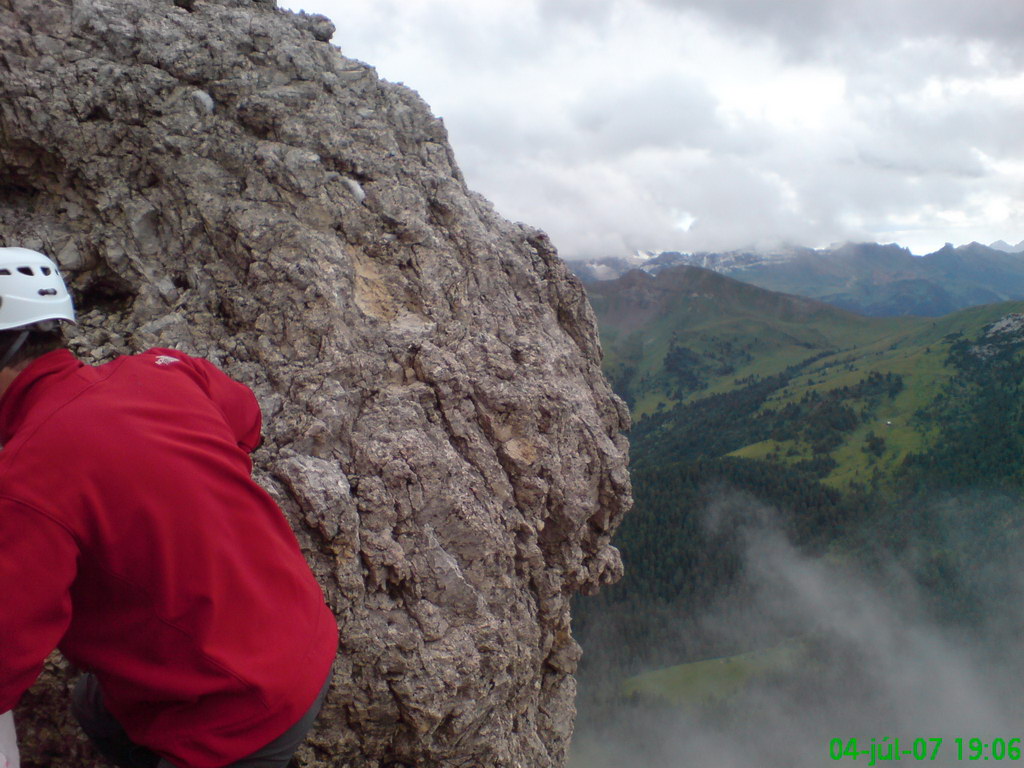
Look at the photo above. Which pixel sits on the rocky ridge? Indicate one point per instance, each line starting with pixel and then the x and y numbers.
pixel 214 175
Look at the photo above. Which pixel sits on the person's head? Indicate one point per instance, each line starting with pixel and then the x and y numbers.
pixel 33 301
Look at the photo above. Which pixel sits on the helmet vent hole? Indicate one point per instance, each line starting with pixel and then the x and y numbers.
pixel 26 271
pixel 48 292
pixel 5 271
pixel 45 270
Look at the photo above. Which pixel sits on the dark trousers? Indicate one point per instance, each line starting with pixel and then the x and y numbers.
pixel 109 737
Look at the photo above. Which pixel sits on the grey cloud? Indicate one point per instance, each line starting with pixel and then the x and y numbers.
pixel 907 66
pixel 663 111
pixel 601 120
pixel 807 27
pixel 477 41
pixel 942 139
pixel 597 13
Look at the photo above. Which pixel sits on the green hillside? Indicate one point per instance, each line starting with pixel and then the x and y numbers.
pixel 862 440
pixel 798 381
pixel 711 681
pixel 851 449
pixel 690 332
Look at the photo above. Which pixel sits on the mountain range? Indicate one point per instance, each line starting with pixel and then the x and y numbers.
pixel 866 278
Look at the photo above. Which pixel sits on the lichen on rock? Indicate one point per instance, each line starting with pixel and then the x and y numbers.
pixel 214 175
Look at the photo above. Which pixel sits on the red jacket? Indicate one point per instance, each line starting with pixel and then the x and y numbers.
pixel 133 537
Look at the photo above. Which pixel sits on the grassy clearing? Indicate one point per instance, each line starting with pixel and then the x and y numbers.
pixel 714 680
pixel 918 356
pixel 788 450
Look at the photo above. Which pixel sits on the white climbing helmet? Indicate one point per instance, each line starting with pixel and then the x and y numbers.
pixel 31 290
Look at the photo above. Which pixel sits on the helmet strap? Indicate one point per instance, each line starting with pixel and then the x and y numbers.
pixel 13 349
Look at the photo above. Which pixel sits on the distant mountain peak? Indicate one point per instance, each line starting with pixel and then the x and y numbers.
pixel 1005 247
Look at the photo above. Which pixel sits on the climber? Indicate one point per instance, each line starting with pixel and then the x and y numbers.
pixel 134 539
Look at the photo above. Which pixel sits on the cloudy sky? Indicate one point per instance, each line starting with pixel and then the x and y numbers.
pixel 619 125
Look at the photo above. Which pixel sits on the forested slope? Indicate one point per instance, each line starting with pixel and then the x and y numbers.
pixel 896 443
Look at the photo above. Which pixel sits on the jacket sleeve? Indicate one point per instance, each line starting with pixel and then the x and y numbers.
pixel 38 562
pixel 235 400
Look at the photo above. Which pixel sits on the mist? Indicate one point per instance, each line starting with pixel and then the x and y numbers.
pixel 873 652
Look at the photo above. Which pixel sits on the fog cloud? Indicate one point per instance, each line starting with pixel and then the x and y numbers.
pixel 871 660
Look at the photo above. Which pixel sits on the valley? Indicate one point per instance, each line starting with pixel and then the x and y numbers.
pixel 785 453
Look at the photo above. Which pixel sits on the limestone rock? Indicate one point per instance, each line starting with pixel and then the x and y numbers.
pixel 213 175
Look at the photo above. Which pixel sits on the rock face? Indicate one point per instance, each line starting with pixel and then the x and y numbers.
pixel 213 175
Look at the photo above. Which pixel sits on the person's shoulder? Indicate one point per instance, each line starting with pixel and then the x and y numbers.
pixel 164 356
pixel 158 363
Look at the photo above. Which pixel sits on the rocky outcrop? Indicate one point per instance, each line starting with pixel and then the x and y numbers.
pixel 213 175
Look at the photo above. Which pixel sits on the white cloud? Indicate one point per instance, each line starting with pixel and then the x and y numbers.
pixel 803 120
